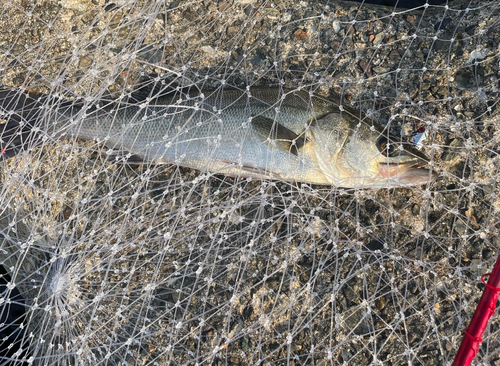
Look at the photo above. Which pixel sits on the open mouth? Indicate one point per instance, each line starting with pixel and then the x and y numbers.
pixel 408 173
pixel 406 165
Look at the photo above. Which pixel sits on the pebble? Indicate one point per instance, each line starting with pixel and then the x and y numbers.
pixel 300 35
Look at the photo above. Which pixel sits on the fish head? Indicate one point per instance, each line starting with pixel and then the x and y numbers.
pixel 363 155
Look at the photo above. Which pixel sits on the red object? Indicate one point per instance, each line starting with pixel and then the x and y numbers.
pixel 485 309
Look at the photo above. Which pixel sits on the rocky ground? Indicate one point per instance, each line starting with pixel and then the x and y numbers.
pixel 158 264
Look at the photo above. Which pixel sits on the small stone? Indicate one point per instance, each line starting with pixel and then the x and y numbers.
pixel 192 40
pixel 460 227
pixel 299 35
pixel 394 55
pixel 425 86
pixel 442 24
pixel 442 91
pixel 380 303
pixel 411 18
pixel 223 6
pixel 360 26
pixel 379 38
pixel 381 69
pixel 472 218
pixel 232 31
pixel 85 62
pixel 190 15
pixel 366 67
pixel 336 26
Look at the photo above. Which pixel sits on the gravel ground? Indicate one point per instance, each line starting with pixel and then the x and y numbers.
pixel 144 265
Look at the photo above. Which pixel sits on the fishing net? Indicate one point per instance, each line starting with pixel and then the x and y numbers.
pixel 106 262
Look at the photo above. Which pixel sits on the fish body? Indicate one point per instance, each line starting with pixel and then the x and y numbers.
pixel 260 132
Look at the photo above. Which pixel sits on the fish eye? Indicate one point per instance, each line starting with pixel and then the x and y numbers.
pixel 386 147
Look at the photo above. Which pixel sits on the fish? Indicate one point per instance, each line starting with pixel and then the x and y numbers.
pixel 258 132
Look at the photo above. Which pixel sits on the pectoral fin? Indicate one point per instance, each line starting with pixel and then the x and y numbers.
pixel 284 138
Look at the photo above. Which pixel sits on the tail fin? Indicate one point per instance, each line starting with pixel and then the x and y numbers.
pixel 19 113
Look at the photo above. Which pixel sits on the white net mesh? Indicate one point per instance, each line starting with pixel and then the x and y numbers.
pixel 110 263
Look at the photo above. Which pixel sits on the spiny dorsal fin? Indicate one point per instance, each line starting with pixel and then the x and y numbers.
pixel 285 139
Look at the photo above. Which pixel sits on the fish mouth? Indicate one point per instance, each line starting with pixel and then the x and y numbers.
pixel 409 173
